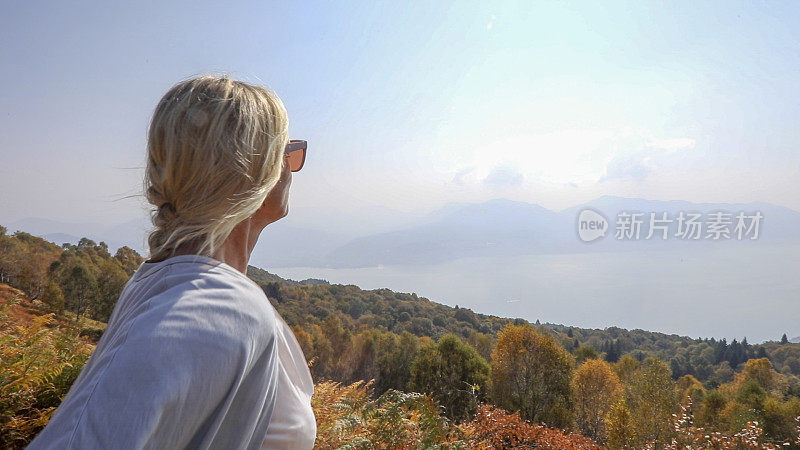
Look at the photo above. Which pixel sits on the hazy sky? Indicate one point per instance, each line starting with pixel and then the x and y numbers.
pixel 410 107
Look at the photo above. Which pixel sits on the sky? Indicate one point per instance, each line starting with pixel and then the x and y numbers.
pixel 411 106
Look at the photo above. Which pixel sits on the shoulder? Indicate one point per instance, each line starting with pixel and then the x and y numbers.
pixel 209 302
pixel 186 347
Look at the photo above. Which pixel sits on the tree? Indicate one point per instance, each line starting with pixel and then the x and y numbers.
pixel 792 363
pixel 453 373
pixel 761 371
pixel 111 280
pixel 689 386
pixel 626 367
pixel 784 339
pixel 85 242
pixel 620 430
pixel 780 418
pixel 31 273
pixel 9 250
pixel 53 297
pixel 78 287
pixel 396 354
pixel 531 374
pixel 612 352
pixel 362 356
pixel 713 405
pixel 758 393
pixel 340 339
pixel 129 259
pixel 24 260
pixel 483 343
pixel 585 352
pixel 303 338
pixel 651 396
pixel 322 354
pixel 752 395
pixel 596 389
pixel 466 315
pixel 723 373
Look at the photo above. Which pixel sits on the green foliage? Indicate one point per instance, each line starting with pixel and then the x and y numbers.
pixel 395 356
pixel 24 260
pixel 129 260
pixel 347 418
pixel 453 373
pixel 79 288
pixel 780 418
pixel 83 278
pixel 583 353
pixel 309 302
pixel 400 340
pixel 712 406
pixel 757 395
pixel 53 297
pixel 751 395
pixel 392 408
pixel 110 281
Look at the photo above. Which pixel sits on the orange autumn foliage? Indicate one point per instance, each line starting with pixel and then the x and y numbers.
pixel 494 428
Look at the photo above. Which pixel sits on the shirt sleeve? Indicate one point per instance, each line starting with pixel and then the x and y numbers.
pixel 174 377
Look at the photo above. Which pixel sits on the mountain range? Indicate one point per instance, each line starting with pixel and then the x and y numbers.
pixel 499 227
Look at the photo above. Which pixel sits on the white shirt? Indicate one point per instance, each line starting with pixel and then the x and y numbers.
pixel 194 356
pixel 293 424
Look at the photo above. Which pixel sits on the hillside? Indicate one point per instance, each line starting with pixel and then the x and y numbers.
pixel 711 361
pixel 452 375
pixel 42 354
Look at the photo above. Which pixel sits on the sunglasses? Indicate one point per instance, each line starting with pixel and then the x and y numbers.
pixel 296 152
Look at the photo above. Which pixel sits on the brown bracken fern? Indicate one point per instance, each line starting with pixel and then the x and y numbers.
pixel 37 365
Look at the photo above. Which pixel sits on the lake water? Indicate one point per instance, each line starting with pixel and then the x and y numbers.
pixel 725 292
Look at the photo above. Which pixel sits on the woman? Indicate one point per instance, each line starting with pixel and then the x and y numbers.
pixel 194 355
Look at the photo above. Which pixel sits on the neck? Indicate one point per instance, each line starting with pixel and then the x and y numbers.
pixel 236 249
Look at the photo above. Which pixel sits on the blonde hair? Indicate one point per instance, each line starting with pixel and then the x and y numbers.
pixel 215 150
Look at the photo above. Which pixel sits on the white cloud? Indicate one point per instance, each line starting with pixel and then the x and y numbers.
pixel 639 157
pixel 504 175
pixel 672 145
pixel 461 177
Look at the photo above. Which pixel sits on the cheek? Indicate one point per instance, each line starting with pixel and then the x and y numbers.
pixel 286 196
pixel 287 183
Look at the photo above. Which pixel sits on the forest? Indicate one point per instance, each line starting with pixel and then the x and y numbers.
pixel 396 370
